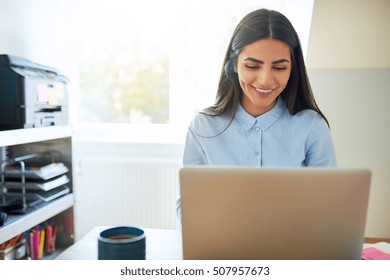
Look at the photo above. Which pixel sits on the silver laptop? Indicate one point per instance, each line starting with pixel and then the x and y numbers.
pixel 260 213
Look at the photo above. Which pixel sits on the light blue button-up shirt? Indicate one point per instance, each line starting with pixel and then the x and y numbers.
pixel 274 139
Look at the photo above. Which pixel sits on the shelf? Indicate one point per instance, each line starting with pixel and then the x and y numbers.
pixel 17 224
pixel 51 256
pixel 30 135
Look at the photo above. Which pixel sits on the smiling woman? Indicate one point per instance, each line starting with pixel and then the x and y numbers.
pixel 265 113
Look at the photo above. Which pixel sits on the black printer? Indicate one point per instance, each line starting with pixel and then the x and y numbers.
pixel 31 95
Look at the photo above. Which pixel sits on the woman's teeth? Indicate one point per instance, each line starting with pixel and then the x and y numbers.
pixel 263 90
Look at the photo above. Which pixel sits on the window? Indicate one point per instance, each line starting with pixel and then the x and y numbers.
pixel 124 66
pixel 157 62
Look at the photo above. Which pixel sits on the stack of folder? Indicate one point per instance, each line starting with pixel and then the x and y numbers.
pixel 42 183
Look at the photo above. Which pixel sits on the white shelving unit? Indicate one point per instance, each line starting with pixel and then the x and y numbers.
pixel 31 135
pixel 20 141
pixel 17 224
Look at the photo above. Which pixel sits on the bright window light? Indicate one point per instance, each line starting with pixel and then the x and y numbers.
pixel 151 63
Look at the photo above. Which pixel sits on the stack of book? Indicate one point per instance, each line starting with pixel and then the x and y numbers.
pixel 14 248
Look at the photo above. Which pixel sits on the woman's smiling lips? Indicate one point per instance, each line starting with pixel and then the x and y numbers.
pixel 263 90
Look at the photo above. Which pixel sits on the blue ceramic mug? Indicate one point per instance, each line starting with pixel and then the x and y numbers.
pixel 121 243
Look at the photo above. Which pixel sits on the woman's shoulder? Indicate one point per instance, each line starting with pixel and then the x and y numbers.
pixel 310 120
pixel 308 116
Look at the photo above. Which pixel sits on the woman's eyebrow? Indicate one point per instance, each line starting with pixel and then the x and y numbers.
pixel 262 62
pixel 280 61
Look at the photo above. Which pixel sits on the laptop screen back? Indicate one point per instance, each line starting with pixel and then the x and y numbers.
pixel 259 213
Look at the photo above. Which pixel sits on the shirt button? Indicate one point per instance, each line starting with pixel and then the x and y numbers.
pixel 257 129
pixel 257 153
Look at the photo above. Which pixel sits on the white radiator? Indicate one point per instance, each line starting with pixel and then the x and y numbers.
pixel 123 192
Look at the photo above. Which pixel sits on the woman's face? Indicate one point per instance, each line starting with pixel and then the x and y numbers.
pixel 263 69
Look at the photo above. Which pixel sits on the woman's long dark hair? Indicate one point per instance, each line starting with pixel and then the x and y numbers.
pixel 264 24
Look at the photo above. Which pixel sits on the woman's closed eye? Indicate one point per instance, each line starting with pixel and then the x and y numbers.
pixel 252 66
pixel 280 68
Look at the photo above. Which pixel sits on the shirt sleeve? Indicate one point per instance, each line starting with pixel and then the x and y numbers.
pixel 193 151
pixel 193 155
pixel 321 150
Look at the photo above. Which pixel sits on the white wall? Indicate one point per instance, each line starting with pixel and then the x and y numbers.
pixel 349 34
pixel 348 62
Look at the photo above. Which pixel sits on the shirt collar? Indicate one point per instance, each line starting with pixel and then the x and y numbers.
pixel 264 121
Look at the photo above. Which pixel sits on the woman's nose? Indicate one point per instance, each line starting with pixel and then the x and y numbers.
pixel 266 77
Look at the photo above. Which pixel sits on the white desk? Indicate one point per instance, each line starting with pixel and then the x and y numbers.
pixel 161 244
